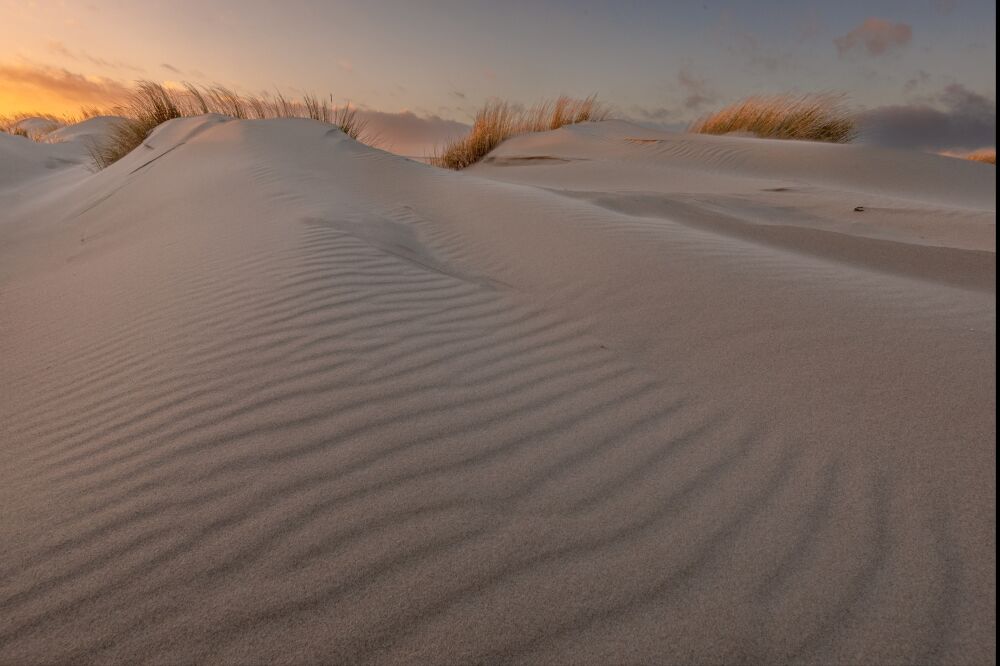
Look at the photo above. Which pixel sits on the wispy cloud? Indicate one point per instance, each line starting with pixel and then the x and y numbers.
pixel 655 113
pixel 170 68
pixel 697 92
pixel 60 49
pixel 916 81
pixel 755 55
pixel 875 36
pixel 944 6
pixel 692 93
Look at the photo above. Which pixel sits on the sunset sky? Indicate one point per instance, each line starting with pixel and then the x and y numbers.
pixel 425 63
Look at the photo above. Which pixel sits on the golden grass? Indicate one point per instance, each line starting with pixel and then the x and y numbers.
pixel 15 131
pixel 804 117
pixel 984 155
pixel 151 104
pixel 498 121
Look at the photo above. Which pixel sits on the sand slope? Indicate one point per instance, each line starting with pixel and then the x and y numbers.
pixel 271 396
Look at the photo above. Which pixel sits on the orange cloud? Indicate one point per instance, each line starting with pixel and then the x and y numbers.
pixel 31 87
pixel 875 35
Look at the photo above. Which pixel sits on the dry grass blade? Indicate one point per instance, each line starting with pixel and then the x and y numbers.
pixel 317 109
pixel 351 124
pixel 498 121
pixel 806 117
pixel 149 105
pixel 984 155
pixel 16 131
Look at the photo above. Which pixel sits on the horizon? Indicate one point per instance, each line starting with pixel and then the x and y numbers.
pixel 922 74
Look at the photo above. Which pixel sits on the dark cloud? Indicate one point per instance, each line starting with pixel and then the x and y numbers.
pixel 875 36
pixel 170 68
pixel 955 119
pixel 406 133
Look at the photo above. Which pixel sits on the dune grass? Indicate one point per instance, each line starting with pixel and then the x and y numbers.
pixel 803 117
pixel 984 155
pixel 498 121
pixel 151 104
pixel 14 130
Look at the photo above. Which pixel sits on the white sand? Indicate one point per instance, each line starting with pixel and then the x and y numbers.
pixel 271 396
pixel 91 129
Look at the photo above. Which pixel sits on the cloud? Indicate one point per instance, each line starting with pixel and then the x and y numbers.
pixel 61 49
pixel 944 6
pixel 64 51
pixel 345 64
pixel 755 56
pixel 660 117
pixel 919 79
pixel 694 94
pixel 406 133
pixel 955 119
pixel 696 90
pixel 37 86
pixel 876 36
pixel 170 68
pixel 656 113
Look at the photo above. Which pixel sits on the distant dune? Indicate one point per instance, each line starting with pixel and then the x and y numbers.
pixel 611 395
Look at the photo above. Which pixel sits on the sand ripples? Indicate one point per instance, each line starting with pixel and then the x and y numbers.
pixel 328 446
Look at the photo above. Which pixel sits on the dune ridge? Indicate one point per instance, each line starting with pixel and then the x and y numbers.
pixel 273 395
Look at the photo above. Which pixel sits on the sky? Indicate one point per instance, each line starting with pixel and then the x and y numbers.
pixel 921 72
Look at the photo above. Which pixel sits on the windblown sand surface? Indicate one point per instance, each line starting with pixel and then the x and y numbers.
pixel 271 396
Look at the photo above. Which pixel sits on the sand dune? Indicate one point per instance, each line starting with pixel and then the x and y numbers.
pixel 612 396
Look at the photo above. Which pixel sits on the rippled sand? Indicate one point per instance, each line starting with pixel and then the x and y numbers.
pixel 614 396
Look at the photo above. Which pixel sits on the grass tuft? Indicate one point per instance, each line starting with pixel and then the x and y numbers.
pixel 151 104
pixel 984 155
pixel 498 121
pixel 804 117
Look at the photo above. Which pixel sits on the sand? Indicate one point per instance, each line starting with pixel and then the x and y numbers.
pixel 613 396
